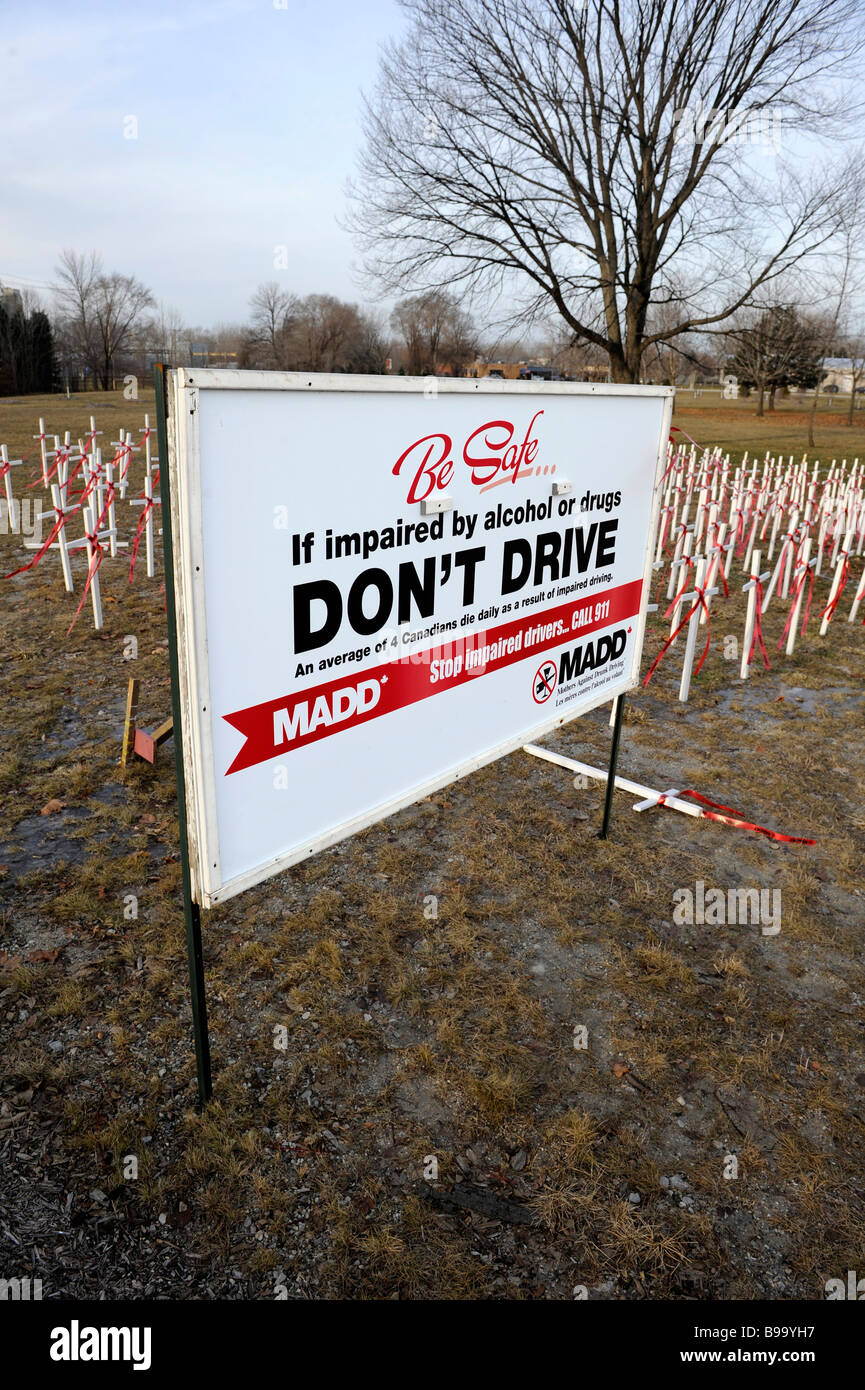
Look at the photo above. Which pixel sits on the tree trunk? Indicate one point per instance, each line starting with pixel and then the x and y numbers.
pixel 621 371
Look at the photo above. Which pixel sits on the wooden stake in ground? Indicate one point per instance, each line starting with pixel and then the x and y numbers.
pixel 139 741
pixel 129 721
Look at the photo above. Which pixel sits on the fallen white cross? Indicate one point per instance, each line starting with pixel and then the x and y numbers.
pixel 726 815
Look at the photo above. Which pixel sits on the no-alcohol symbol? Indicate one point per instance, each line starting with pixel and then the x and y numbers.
pixel 544 682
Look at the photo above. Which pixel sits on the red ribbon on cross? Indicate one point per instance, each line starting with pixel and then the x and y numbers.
pixel 699 602
pixel 716 544
pixel 757 634
pixel 60 455
pixel 97 553
pixel 53 534
pixel 735 818
pixel 675 461
pixel 829 611
pixel 142 520
pixel 96 557
pixel 689 565
pixel 739 538
pixel 677 429
pixel 666 513
pixel 807 573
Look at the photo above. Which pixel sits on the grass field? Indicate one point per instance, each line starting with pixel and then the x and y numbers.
pixel 411 1038
pixel 735 426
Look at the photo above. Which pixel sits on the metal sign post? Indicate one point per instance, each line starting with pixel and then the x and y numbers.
pixel 611 775
pixel 191 909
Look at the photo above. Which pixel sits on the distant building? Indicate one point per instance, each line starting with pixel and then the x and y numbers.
pixel 535 371
pixel 842 373
pixel 514 371
pixel 11 301
pixel 504 371
pixel 541 369
pixel 200 355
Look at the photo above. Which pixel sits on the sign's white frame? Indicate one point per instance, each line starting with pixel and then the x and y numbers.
pixel 184 387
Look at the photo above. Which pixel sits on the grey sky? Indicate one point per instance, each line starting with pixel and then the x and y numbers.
pixel 247 130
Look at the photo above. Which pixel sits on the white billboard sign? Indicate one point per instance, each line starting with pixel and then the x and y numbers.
pixel 383 583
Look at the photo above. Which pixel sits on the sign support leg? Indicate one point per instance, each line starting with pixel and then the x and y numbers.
pixel 191 909
pixel 195 954
pixel 611 775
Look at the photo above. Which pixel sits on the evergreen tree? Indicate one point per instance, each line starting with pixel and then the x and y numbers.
pixel 28 362
pixel 45 373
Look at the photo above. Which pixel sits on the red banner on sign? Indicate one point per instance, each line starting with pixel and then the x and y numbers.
pixel 278 726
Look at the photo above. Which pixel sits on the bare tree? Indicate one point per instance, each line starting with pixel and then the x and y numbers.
pixel 854 347
pixel 168 334
pixel 436 333
pixel 666 357
pixel 850 274
pixel 75 291
pixel 575 358
pixel 368 348
pixel 587 156
pixel 314 334
pixel 840 283
pixel 101 312
pixel 274 316
pixel 119 302
pixel 324 329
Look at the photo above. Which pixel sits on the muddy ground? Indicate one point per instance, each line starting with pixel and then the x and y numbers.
pixel 405 1004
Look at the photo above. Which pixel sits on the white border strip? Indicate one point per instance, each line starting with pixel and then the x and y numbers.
pixel 229 378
